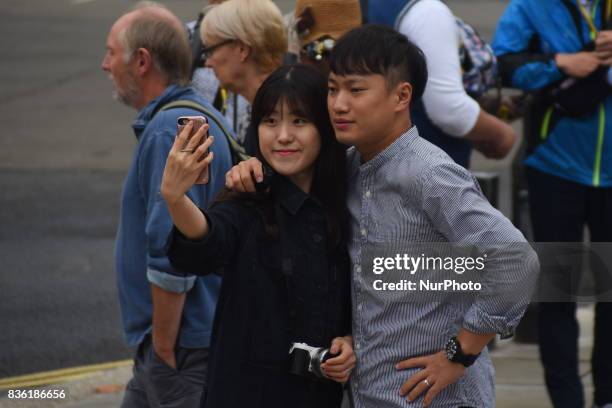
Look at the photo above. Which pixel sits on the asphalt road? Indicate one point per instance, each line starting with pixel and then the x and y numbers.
pixel 65 146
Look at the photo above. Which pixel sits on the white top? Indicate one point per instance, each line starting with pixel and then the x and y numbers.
pixel 431 25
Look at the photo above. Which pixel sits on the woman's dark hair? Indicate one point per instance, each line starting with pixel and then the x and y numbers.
pixel 304 89
pixel 376 49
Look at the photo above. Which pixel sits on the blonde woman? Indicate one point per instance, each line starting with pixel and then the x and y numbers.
pixel 203 80
pixel 245 41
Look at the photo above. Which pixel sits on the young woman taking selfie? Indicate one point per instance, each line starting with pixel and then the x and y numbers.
pixel 285 296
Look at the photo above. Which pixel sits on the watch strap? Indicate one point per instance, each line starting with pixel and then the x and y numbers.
pixel 455 353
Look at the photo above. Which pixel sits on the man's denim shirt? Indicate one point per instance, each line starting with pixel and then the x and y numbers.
pixel 145 225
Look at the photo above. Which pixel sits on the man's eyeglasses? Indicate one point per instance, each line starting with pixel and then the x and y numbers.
pixel 207 52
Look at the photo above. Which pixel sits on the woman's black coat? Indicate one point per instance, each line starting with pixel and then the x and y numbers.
pixel 275 291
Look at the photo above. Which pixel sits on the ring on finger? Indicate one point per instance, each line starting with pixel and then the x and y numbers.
pixel 427 383
pixel 187 150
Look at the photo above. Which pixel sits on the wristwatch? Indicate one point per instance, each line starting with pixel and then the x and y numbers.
pixel 455 354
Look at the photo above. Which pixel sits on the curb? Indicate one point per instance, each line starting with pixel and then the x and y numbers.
pixel 58 376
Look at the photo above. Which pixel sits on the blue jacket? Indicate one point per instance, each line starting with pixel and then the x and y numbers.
pixel 386 12
pixel 145 226
pixel 578 150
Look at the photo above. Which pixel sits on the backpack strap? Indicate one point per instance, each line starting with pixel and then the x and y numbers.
pixel 365 8
pixel 577 17
pixel 402 14
pixel 196 45
pixel 238 152
pixel 575 13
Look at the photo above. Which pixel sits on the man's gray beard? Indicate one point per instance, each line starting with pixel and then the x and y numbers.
pixel 129 95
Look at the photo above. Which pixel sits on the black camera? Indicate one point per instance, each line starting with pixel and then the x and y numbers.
pixel 306 360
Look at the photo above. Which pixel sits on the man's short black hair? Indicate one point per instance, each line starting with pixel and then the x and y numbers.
pixel 376 49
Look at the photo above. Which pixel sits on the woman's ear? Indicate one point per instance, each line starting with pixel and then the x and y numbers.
pixel 403 96
pixel 244 50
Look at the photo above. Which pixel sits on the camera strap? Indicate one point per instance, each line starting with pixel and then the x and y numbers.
pixel 579 12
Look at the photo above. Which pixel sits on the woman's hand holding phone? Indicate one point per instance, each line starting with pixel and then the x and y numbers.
pixel 186 161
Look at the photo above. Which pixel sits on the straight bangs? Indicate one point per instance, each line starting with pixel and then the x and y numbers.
pixel 279 91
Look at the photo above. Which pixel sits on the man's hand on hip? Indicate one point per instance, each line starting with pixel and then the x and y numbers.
pixel 437 374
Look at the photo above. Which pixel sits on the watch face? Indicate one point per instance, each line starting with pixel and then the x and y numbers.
pixel 451 349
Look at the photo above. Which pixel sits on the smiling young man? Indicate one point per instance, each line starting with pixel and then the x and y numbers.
pixel 404 190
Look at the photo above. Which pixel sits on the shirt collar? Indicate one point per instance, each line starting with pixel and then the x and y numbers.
pixel 399 145
pixel 145 114
pixel 288 194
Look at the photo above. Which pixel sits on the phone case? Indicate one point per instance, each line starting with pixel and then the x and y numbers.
pixel 199 121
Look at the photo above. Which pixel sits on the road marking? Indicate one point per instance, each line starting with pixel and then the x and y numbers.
pixel 46 381
pixel 81 1
pixel 55 376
